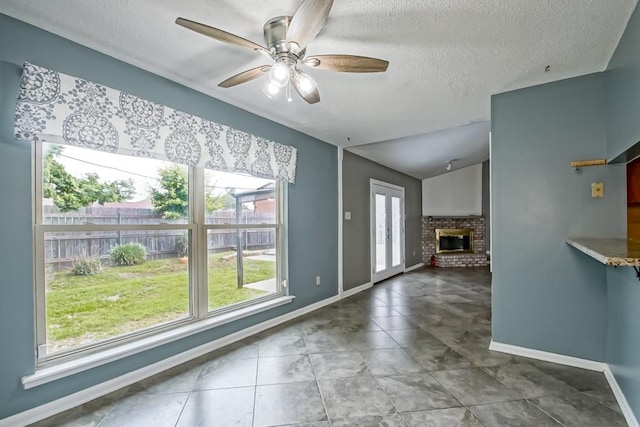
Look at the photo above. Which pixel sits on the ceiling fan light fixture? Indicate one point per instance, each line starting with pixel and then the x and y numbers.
pixel 306 84
pixel 287 38
pixel 280 74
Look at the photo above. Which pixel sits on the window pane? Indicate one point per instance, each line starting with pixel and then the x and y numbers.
pixel 85 186
pixel 99 285
pixel 239 199
pixel 241 266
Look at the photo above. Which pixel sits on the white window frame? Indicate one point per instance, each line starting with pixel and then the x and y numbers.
pixel 198 278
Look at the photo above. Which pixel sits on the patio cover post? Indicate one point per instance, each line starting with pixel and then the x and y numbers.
pixel 239 241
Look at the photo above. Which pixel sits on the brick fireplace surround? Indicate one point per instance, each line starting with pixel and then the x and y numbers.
pixel 476 259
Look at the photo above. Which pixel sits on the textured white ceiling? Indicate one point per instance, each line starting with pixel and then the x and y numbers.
pixel 447 57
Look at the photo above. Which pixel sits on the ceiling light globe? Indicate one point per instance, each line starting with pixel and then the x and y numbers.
pixel 279 74
pixel 271 90
pixel 306 84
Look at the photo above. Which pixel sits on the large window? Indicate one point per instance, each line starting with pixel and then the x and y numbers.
pixel 127 246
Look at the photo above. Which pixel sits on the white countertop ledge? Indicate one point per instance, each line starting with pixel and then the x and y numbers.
pixel 613 252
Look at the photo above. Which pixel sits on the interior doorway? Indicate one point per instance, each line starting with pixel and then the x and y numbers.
pixel 387 230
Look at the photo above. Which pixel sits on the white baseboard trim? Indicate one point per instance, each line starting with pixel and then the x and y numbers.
pixel 357 289
pixel 621 398
pixel 60 405
pixel 546 356
pixel 414 267
pixel 577 363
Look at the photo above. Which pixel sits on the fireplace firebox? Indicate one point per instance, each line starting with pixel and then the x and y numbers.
pixel 454 240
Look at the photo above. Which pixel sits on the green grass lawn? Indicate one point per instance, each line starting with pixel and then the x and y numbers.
pixel 84 309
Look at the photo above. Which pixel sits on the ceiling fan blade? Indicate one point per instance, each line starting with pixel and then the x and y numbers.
pixel 245 76
pixel 220 35
pixel 311 97
pixel 347 63
pixel 308 20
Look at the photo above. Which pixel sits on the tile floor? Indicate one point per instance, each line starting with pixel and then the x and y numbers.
pixel 411 351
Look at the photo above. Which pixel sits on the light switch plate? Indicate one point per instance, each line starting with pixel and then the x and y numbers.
pixel 597 189
pixel 347 216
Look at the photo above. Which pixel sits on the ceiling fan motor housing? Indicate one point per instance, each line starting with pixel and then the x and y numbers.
pixel 275 36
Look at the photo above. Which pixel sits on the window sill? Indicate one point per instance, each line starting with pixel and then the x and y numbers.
pixel 71 367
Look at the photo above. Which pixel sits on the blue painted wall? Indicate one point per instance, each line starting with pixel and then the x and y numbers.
pixel 313 234
pixel 623 91
pixel 623 131
pixel 557 303
pixel 623 332
pixel 547 295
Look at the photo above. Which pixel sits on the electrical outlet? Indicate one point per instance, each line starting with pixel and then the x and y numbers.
pixel 317 280
pixel 414 253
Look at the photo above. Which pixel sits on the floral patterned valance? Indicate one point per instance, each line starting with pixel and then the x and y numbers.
pixel 61 109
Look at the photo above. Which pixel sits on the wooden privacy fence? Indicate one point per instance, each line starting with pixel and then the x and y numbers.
pixel 63 249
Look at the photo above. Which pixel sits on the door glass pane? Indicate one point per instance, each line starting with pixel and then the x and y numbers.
pixel 381 232
pixel 241 265
pixel 396 231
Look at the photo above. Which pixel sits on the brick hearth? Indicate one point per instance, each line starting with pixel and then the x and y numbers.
pixel 476 259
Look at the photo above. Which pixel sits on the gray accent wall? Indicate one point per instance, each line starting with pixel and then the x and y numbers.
pixel 623 131
pixel 312 204
pixel 547 295
pixel 356 175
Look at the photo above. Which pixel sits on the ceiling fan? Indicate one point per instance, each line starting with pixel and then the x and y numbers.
pixel 287 38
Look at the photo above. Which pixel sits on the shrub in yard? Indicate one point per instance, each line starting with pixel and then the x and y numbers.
pixel 87 267
pixel 182 245
pixel 129 254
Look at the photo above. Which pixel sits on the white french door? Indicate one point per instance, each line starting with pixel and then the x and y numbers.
pixel 387 230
